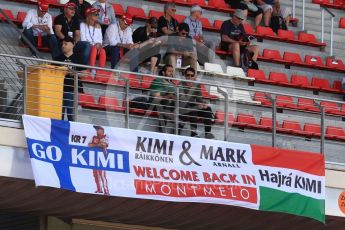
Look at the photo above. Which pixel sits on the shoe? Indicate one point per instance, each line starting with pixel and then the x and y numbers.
pixel 209 136
pixel 34 56
pixel 194 134
pixel 98 191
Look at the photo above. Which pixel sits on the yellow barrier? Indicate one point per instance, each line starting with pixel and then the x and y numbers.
pixel 44 91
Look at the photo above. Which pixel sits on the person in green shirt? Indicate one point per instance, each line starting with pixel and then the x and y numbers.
pixel 162 96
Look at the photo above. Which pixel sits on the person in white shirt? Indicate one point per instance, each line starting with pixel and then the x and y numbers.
pixel 106 15
pixel 117 36
pixel 91 32
pixel 38 27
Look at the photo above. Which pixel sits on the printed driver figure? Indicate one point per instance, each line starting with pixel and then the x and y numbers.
pixel 100 141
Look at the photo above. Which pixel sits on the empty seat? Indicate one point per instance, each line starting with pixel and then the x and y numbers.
pixel 301 81
pixel 146 82
pixel 217 24
pixel 259 75
pixel 132 78
pixel 267 123
pixel 279 78
pixel 213 68
pixel 136 12
pixel 242 96
pixel 110 103
pixel 206 94
pixel 179 18
pixel 272 54
pixel 235 71
pixel 342 23
pixel 218 4
pixel 305 37
pixel 286 34
pixel 320 83
pixel 312 130
pixel 103 76
pixel 265 31
pixel 118 9
pixel 335 63
pixel 337 85
pixel 285 102
pixel 331 107
pixel 292 57
pixel 20 17
pixel 214 92
pixel 220 118
pixel 307 104
pixel 246 120
pixel 292 127
pixel 8 13
pixel 336 133
pixel 262 97
pixel 86 100
pixel 197 2
pixel 248 28
pixel 205 23
pixel 154 13
pixel 313 60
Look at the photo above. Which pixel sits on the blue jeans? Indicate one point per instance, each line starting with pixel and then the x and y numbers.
pixel 68 105
pixel 48 40
pixel 83 49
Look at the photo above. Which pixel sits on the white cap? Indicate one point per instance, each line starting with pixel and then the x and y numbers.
pixel 196 8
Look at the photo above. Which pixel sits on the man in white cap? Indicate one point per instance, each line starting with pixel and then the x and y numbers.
pixel 195 32
pixel 232 38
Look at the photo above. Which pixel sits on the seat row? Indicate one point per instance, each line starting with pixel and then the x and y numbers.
pixel 288 127
pixel 335 4
pixel 296 81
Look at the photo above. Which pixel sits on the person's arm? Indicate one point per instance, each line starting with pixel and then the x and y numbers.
pixel 58 31
pixel 112 34
pixel 27 23
pixel 77 35
pixel 166 31
pixel 83 32
pixel 98 36
pixel 112 15
pixel 50 25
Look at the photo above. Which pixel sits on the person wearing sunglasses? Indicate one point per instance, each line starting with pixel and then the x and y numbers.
pixel 119 36
pixel 146 37
pixel 167 24
pixel 38 22
pixel 106 15
pixel 91 32
pixel 181 49
pixel 193 107
pixel 232 33
pixel 82 6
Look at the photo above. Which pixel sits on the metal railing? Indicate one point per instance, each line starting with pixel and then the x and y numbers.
pixel 323 10
pixel 118 84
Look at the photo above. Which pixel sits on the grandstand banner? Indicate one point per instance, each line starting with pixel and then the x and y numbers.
pixel 147 165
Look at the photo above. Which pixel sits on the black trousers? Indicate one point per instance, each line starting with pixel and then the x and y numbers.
pixel 193 115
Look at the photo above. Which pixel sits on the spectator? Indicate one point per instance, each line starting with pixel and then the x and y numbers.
pixel 68 95
pixel 192 106
pixel 162 96
pixel 82 5
pixel 247 5
pixel 38 22
pixel 232 34
pixel 205 49
pixel 180 51
pixel 106 15
pixel 270 7
pixel 67 25
pixel 147 34
pixel 117 36
pixel 90 31
pixel 167 24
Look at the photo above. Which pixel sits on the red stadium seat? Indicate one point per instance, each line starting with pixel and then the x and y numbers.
pixel 279 78
pixel 305 37
pixel 320 83
pixel 342 23
pixel 218 4
pixel 272 54
pixel 339 3
pixel 205 94
pixel 331 107
pixel 179 18
pixel 206 23
pixel 259 75
pixel 197 2
pixel 313 60
pixel 20 17
pixel 118 9
pixel 312 130
pixel 337 85
pixel 132 78
pixel 265 31
pixel 246 120
pixel 103 77
pixel 87 100
pixel 301 81
pixel 136 12
pixel 335 133
pixel 262 97
pixel 285 102
pixel 8 13
pixel 110 103
pixel 335 63
pixel 154 13
pixel 321 1
pixel 286 34
pixel 292 57
pixel 307 104
pixel 248 28
pixel 220 118
pixel 146 82
pixel 267 123
pixel 217 24
pixel 292 127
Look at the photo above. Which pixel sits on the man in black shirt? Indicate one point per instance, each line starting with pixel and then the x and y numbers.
pixel 82 5
pixel 181 49
pixel 233 37
pixel 67 24
pixel 167 24
pixel 149 46
pixel 68 96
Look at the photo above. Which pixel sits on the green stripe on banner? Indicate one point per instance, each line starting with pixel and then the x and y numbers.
pixel 293 203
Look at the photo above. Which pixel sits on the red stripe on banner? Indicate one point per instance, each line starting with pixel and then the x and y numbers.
pixel 183 190
pixel 307 162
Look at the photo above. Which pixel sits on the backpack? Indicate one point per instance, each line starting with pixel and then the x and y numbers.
pixel 247 61
pixel 278 22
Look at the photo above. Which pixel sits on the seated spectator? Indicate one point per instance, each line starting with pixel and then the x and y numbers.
pixel 162 96
pixel 82 5
pixel 232 34
pixel 247 5
pixel 68 95
pixel 90 31
pixel 106 15
pixel 145 36
pixel 205 49
pixel 67 25
pixel 38 22
pixel 180 51
pixel 167 24
pixel 117 36
pixel 193 107
pixel 272 7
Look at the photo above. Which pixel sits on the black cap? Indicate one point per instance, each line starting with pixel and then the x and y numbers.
pixel 153 21
pixel 98 127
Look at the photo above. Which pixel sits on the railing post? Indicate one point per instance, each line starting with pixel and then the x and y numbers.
pixel 294 8
pixel 332 30
pixel 303 14
pixel 226 112
pixel 177 109
pixel 127 105
pixel 25 73
pixel 76 96
pixel 274 122
pixel 322 24
pixel 322 142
